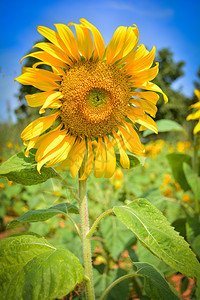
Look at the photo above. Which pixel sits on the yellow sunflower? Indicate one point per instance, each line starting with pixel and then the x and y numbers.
pixel 91 90
pixel 196 115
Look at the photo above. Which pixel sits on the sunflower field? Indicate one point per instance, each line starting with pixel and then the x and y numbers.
pixel 101 198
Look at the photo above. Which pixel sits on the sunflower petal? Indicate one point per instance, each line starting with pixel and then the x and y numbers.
pixel 197 93
pixel 150 96
pixel 98 40
pixel 145 75
pixel 100 160
pixel 194 116
pixel 90 161
pixel 51 35
pixel 196 105
pixel 68 143
pixel 46 57
pixel 69 40
pixel 38 126
pixel 128 46
pixel 131 139
pixel 110 158
pixel 197 127
pixel 136 115
pixel 134 56
pixel 39 99
pixel 145 62
pixel 49 143
pixel 77 157
pixel 124 160
pixel 146 106
pixel 84 40
pixel 54 51
pixel 30 145
pixel 151 87
pixel 116 44
pixel 58 151
pixel 38 81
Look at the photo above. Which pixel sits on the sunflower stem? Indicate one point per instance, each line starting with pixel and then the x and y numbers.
pixel 95 224
pixel 118 281
pixel 86 241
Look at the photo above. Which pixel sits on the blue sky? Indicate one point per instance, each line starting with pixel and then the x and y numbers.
pixel 170 23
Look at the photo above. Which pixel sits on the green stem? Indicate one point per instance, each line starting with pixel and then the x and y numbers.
pixel 95 224
pixel 196 170
pixel 68 186
pixel 118 281
pixel 86 244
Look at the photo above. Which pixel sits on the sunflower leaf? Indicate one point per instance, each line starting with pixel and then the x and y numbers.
pixel 155 285
pixel 23 170
pixel 176 161
pixel 40 215
pixel 134 161
pixel 192 179
pixel 165 126
pixel 155 233
pixel 31 268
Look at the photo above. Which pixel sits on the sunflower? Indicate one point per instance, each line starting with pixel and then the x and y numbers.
pixel 91 93
pixel 196 115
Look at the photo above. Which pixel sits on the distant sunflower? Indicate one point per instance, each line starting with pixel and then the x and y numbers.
pixel 196 115
pixel 92 92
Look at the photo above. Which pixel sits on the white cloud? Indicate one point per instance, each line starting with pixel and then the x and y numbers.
pixel 154 12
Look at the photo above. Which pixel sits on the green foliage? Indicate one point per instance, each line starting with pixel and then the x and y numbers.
pixel 176 161
pixel 108 244
pixel 42 272
pixel 40 215
pixel 169 72
pixel 165 126
pixel 155 285
pixel 22 169
pixel 154 232
pixel 192 179
pixel 134 161
pixel 192 229
pixel 116 236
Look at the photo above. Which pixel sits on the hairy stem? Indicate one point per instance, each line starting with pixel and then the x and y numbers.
pixel 95 224
pixel 118 281
pixel 86 243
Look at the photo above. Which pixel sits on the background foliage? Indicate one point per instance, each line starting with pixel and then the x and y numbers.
pixel 166 180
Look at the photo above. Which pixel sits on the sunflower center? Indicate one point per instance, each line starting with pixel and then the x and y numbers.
pixel 95 98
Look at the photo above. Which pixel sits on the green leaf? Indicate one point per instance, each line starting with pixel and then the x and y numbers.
pixel 196 245
pixel 192 229
pixel 155 285
pixel 180 225
pixel 144 255
pixel 40 215
pixel 165 126
pixel 192 179
pixel 184 284
pixel 22 169
pixel 155 233
pixel 115 235
pixel 134 161
pixel 176 161
pixel 31 268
